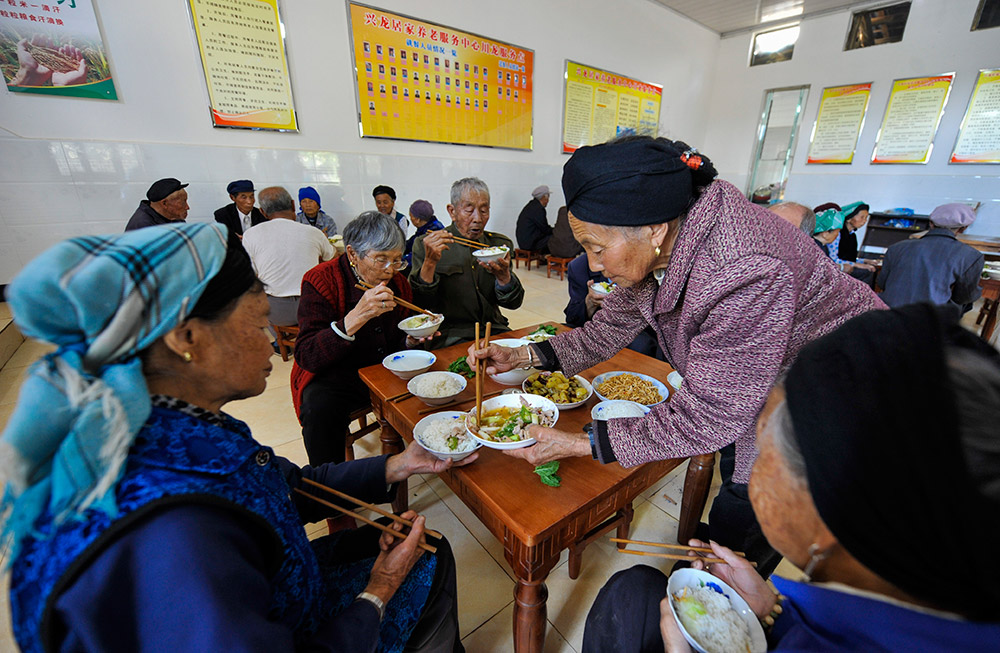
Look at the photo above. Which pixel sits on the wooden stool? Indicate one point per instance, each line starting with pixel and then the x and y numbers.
pixel 525 255
pixel 364 428
pixel 285 338
pixel 557 263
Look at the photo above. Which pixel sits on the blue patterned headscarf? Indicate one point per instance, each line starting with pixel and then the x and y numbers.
pixel 101 300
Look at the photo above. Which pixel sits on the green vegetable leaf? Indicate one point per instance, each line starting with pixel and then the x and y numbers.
pixel 547 473
pixel 461 366
pixel 551 481
pixel 545 328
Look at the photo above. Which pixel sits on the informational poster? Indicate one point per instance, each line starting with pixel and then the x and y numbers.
pixel 601 105
pixel 54 48
pixel 422 81
pixel 979 138
pixel 243 53
pixel 911 119
pixel 838 123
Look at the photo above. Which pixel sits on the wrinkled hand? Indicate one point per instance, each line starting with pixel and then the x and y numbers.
pixel 417 460
pixel 374 302
pixel 498 359
pixel 499 268
pixel 550 445
pixel 738 573
pixel 435 243
pixel 30 72
pixel 594 300
pixel 78 76
pixel 412 342
pixel 396 558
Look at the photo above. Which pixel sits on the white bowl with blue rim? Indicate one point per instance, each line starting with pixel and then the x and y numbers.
pixel 458 418
pixel 682 578
pixel 659 385
pixel 616 408
pixel 408 364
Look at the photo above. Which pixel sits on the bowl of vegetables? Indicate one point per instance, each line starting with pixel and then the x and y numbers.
pixel 541 334
pixel 506 419
pixel 564 392
pixel 421 326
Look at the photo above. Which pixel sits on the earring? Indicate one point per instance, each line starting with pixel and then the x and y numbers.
pixel 656 252
pixel 815 557
pixel 187 357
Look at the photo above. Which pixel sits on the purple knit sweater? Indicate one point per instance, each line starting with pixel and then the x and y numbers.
pixel 743 292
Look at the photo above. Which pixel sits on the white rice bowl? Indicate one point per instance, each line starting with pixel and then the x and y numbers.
pixel 728 625
pixel 490 254
pixel 435 388
pixel 511 377
pixel 617 408
pixel 419 326
pixel 407 364
pixel 432 433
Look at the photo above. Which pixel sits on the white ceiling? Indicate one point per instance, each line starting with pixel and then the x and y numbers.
pixel 724 16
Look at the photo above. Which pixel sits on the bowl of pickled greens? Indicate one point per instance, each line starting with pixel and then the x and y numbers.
pixel 506 420
pixel 565 392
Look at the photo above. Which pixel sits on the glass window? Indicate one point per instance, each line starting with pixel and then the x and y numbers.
pixel 988 15
pixel 776 45
pixel 877 26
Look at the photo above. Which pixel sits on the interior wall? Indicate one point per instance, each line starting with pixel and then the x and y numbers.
pixel 937 40
pixel 73 166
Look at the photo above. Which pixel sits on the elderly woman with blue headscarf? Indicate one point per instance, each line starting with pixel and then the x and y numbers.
pixel 142 517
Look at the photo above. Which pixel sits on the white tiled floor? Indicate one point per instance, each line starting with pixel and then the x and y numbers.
pixel 485 580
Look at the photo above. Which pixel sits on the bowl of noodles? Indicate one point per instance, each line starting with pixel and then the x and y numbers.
pixel 630 386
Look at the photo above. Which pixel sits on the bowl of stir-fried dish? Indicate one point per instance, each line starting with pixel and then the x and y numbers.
pixel 421 326
pixel 506 419
pixel 564 392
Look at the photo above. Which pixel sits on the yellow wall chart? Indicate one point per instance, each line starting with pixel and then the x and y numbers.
pixel 601 105
pixel 911 119
pixel 426 82
pixel 979 138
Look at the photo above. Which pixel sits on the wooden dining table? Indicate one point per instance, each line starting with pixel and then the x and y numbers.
pixel 535 522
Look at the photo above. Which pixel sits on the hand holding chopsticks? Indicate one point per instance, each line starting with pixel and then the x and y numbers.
pixel 677 547
pixel 361 285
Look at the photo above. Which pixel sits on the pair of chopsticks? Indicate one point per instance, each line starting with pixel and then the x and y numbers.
pixel 400 397
pixel 673 556
pixel 469 243
pixel 361 285
pixel 434 409
pixel 369 506
pixel 481 370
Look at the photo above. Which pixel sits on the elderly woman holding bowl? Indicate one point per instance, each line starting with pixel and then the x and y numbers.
pixel 343 328
pixel 867 519
pixel 142 517
pixel 731 290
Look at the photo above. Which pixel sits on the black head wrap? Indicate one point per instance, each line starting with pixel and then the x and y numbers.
pixel 379 190
pixel 234 279
pixel 876 421
pixel 634 181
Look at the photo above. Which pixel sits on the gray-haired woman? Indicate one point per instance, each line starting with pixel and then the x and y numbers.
pixel 342 329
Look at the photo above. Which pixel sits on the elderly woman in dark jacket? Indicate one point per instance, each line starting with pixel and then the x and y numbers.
pixel 731 290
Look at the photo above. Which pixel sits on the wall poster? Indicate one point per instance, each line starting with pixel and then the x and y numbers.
pixel 421 81
pixel 979 137
pixel 243 54
pixel 911 119
pixel 838 123
pixel 54 48
pixel 600 105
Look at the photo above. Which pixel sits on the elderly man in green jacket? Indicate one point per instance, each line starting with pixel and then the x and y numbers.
pixel 447 279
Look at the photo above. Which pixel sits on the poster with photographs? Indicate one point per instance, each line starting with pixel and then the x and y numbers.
pixel 421 81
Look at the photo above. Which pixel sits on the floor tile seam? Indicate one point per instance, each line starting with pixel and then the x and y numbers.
pixel 489 619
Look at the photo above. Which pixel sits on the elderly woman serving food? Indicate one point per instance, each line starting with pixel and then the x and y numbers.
pixel 871 522
pixel 731 290
pixel 448 278
pixel 343 328
pixel 141 517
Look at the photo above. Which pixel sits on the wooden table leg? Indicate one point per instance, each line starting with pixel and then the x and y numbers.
pixel 697 482
pixel 991 321
pixel 529 615
pixel 392 443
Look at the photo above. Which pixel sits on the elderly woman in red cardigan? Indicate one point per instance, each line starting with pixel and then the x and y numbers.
pixel 732 292
pixel 342 329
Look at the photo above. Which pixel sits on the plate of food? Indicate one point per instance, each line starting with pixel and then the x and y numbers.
pixel 421 326
pixel 564 392
pixel 490 254
pixel 712 617
pixel 603 287
pixel 436 388
pixel 541 334
pixel 506 418
pixel 630 386
pixel 444 435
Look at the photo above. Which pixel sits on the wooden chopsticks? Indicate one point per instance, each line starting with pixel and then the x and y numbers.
pixel 673 556
pixel 369 506
pixel 400 397
pixel 469 243
pixel 434 409
pixel 361 285
pixel 481 370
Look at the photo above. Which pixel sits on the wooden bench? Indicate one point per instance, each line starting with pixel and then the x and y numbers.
pixel 557 263
pixel 527 256
pixel 285 339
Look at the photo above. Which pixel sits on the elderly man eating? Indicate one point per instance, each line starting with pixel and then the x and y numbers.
pixel 446 278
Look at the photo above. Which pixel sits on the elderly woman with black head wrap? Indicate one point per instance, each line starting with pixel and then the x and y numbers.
pixel 141 517
pixel 731 290
pixel 872 503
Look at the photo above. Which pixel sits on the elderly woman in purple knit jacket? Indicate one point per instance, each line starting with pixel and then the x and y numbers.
pixel 732 292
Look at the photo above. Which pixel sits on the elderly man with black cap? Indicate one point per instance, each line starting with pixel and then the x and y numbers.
pixel 385 202
pixel 241 214
pixel 533 230
pixel 166 202
pixel 937 268
pixel 732 292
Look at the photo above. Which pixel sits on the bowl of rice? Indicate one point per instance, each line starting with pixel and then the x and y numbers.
pixel 436 388
pixel 711 615
pixel 675 379
pixel 516 376
pixel 421 326
pixel 408 364
pixel 490 254
pixel 444 435
pixel 630 386
pixel 615 408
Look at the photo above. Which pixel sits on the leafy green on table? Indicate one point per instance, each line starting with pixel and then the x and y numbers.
pixel 547 473
pixel 545 328
pixel 461 366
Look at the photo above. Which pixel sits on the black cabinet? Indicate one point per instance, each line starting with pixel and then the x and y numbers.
pixel 885 229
